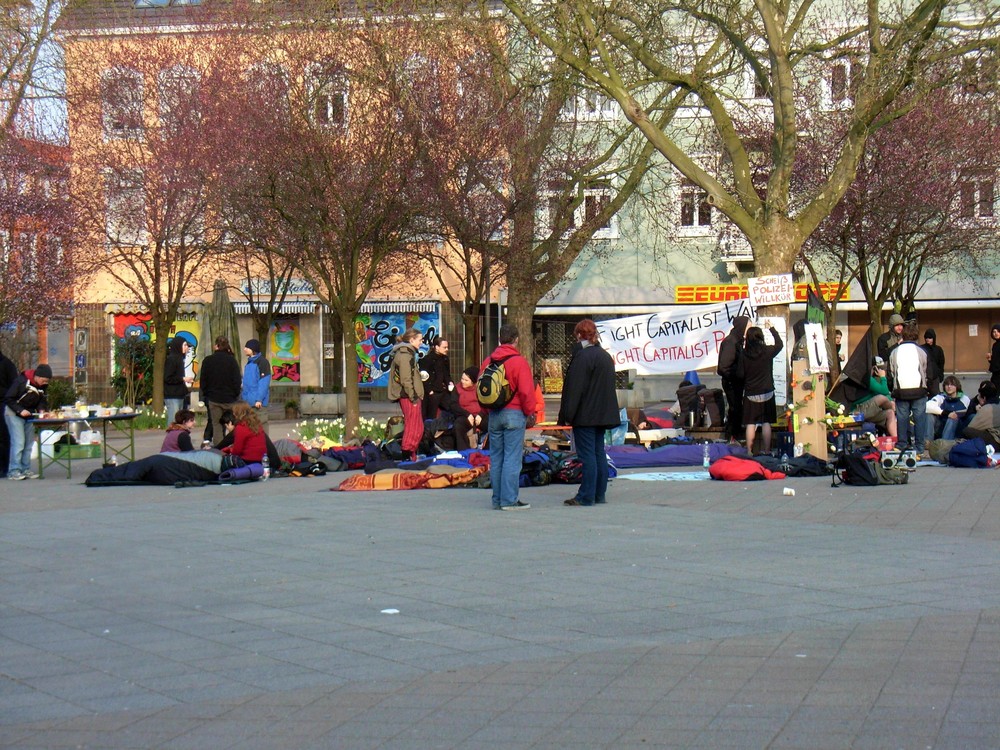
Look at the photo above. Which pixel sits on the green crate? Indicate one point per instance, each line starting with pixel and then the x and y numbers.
pixel 78 451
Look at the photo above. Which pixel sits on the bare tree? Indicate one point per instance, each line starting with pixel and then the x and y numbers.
pixel 25 31
pixel 869 62
pixel 146 147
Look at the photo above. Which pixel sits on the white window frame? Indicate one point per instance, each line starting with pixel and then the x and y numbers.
pixel 326 82
pixel 689 193
pixel 609 231
pixel 124 196
pixel 590 105
pixel 175 84
pixel 977 196
pixel 122 122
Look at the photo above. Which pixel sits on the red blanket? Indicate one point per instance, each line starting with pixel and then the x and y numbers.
pixel 735 469
pixel 410 480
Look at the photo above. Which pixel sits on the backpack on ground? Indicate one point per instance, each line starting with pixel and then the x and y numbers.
pixel 493 389
pixel 860 471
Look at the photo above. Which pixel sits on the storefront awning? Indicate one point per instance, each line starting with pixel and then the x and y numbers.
pixel 285 308
pixel 137 308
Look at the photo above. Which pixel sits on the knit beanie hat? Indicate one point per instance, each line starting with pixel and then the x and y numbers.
pixel 43 371
pixel 253 345
pixel 472 372
pixel 896 320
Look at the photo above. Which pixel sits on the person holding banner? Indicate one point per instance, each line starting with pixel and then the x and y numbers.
pixel 590 405
pixel 730 367
pixel 758 395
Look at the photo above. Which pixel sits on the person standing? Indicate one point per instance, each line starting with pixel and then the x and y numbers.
pixel 890 339
pixel 256 380
pixel 507 425
pixel 407 389
pixel 435 371
pixel 730 367
pixel 175 377
pixel 759 408
pixel 26 396
pixel 908 374
pixel 935 362
pixel 994 356
pixel 221 383
pixel 590 405
pixel 8 374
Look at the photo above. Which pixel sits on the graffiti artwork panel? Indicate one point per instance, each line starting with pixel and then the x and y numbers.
pixel 285 350
pixel 376 334
pixel 136 326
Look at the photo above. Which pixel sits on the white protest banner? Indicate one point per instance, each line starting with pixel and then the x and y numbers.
pixel 675 341
pixel 816 348
pixel 771 290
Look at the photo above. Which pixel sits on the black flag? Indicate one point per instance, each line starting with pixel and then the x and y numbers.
pixel 854 378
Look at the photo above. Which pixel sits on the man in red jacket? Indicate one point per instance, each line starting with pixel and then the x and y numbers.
pixel 507 425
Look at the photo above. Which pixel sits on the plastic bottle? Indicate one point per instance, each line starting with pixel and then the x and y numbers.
pixel 784 460
pixel 706 457
pixel 266 466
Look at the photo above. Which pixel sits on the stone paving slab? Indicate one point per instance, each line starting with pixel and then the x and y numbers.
pixel 683 614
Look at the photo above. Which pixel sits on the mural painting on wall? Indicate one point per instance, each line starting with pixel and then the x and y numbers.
pixel 377 333
pixel 285 350
pixel 187 326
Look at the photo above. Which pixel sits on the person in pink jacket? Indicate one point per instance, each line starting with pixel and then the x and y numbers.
pixel 507 425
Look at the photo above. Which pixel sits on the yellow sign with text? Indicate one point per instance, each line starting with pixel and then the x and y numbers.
pixel 700 294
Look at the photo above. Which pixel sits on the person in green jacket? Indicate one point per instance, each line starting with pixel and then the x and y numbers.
pixel 877 405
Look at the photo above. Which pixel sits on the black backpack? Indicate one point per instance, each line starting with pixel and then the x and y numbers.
pixel 857 470
pixel 493 389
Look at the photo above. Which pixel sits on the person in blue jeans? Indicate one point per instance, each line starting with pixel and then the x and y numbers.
pixel 507 425
pixel 946 410
pixel 908 373
pixel 590 405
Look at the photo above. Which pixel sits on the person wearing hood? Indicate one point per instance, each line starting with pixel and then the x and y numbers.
pixel 994 355
pixel 175 377
pixel 26 396
pixel 407 389
pixel 178 437
pixel 256 380
pixel 507 425
pixel 935 362
pixel 8 374
pixel 759 409
pixel 891 338
pixel 730 368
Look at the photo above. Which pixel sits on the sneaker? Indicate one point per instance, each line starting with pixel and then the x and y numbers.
pixel 29 475
pixel 516 506
pixel 15 476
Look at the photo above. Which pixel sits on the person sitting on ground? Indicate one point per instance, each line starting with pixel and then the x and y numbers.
pixel 248 435
pixel 985 423
pixel 877 405
pixel 946 410
pixel 470 416
pixel 178 437
pixel 228 424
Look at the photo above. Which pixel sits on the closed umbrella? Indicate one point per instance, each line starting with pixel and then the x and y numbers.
pixel 221 318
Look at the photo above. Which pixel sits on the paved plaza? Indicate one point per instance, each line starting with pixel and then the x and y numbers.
pixel 684 614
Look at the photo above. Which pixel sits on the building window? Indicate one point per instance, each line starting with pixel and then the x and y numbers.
pixel 595 200
pixel 841 82
pixel 126 210
pixel 421 83
pixel 27 252
pixel 695 209
pixel 327 94
pixel 121 103
pixel 179 105
pixel 977 195
pixel 590 105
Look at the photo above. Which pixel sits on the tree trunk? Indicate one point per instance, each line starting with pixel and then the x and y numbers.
pixel 520 312
pixel 161 327
pixel 339 353
pixel 472 325
pixel 352 404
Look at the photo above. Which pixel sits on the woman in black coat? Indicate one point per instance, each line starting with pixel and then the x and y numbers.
pixel 590 405
pixel 435 371
pixel 758 394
